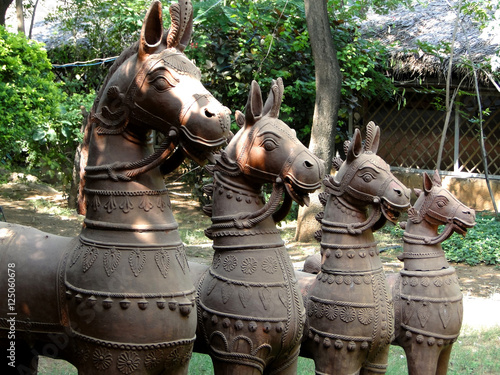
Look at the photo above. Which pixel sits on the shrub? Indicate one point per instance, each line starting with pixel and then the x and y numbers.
pixel 40 124
pixel 29 97
pixel 481 245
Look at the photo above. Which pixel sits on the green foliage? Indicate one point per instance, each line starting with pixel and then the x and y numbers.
pixel 361 63
pixel 29 98
pixel 481 245
pixel 256 40
pixel 94 29
pixel 482 11
pixel 246 40
pixel 40 125
pixel 56 142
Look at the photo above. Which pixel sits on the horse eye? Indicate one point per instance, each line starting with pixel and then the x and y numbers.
pixel 367 177
pixel 161 84
pixel 441 204
pixel 269 145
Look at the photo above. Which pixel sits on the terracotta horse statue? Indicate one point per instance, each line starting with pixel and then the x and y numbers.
pixel 427 297
pixel 250 311
pixel 349 304
pixel 118 299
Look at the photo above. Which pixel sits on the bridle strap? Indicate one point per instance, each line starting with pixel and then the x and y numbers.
pixel 353 228
pixel 130 170
pixel 250 219
pixel 427 240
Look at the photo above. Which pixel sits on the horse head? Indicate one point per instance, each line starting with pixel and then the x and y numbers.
pixel 265 149
pixel 364 178
pixel 436 206
pixel 155 86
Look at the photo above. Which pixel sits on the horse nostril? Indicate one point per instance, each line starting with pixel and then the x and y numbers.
pixel 398 192
pixel 308 164
pixel 208 113
pixel 466 212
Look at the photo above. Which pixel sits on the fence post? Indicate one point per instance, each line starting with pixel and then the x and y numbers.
pixel 456 152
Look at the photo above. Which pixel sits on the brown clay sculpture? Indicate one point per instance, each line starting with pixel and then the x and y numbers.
pixel 349 305
pixel 427 297
pixel 250 311
pixel 118 299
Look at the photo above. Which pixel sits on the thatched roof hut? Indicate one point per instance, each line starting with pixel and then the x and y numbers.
pixel 403 29
pixel 412 127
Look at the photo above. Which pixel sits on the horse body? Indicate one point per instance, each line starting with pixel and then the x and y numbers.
pixel 119 298
pixel 251 315
pixel 349 306
pixel 427 297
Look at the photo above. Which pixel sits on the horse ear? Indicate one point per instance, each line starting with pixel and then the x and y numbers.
pixel 181 15
pixel 253 110
pixel 436 178
pixel 240 118
pixel 273 102
pixel 427 183
pixel 152 31
pixel 356 146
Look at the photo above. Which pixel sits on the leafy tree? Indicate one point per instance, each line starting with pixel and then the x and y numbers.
pixel 247 40
pixel 93 30
pixel 28 95
pixel 38 127
pixel 360 64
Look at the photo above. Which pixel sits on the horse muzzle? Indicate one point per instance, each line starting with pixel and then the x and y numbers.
pixel 303 175
pixel 205 127
pixel 395 199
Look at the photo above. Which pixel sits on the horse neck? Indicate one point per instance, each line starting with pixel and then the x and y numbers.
pixel 239 217
pixel 345 231
pixel 121 209
pixel 422 249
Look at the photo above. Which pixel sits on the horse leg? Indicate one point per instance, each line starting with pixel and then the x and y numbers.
pixel 422 360
pixel 377 364
pixel 444 359
pixel 288 368
pixel 337 361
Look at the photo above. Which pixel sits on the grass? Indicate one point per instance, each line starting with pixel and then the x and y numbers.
pixel 476 352
pixel 44 206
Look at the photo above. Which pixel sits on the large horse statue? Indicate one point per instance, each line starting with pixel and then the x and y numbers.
pixel 427 297
pixel 250 311
pixel 118 299
pixel 349 304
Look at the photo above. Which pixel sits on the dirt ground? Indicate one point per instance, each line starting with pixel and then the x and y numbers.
pixel 45 208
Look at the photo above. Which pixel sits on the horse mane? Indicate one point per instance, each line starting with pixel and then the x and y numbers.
pixel 91 119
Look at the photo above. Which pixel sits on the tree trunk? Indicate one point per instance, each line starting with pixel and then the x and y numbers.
pixel 328 92
pixel 4 5
pixel 20 16
pixel 449 102
pixel 75 181
pixel 32 19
